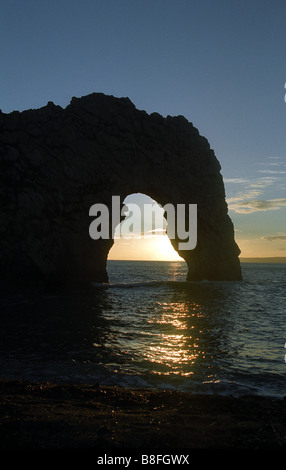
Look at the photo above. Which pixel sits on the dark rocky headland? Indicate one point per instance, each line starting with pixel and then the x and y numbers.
pixel 56 163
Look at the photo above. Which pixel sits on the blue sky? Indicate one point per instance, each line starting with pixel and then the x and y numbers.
pixel 221 64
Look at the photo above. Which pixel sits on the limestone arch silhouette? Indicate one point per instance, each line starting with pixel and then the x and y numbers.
pixel 59 162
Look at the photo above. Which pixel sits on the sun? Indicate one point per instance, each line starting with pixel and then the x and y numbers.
pixel 162 249
pixel 153 248
pixel 152 244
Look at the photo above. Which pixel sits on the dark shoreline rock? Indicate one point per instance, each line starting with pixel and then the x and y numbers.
pixel 53 416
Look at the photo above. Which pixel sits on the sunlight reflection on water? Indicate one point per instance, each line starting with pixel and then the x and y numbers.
pixel 164 333
pixel 175 349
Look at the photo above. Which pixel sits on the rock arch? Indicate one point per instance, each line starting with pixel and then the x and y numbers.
pixel 58 162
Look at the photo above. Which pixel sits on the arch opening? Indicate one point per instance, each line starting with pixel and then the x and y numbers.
pixel 141 235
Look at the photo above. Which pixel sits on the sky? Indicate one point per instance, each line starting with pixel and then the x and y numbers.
pixel 219 63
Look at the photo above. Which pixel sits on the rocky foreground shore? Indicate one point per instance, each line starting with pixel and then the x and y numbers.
pixel 51 416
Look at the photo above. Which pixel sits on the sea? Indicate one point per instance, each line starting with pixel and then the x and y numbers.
pixel 149 328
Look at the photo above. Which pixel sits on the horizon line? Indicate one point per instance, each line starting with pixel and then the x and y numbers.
pixel 258 259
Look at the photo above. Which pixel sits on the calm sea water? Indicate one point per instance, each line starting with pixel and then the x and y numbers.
pixel 150 328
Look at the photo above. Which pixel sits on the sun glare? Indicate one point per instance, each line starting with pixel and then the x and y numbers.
pixel 155 246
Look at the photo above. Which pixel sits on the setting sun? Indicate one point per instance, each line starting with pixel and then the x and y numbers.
pixel 155 248
pixel 153 245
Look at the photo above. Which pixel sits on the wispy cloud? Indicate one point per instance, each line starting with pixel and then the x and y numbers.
pixel 236 180
pixel 273 172
pixel 247 200
pixel 249 194
pixel 261 182
pixel 274 237
pixel 247 207
pixel 276 162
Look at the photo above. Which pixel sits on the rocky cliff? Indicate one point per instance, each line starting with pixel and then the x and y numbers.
pixel 56 163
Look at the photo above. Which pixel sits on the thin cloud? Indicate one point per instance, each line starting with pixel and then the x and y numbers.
pixel 247 207
pixel 272 172
pixel 251 193
pixel 250 198
pixel 274 237
pixel 261 182
pixel 236 180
